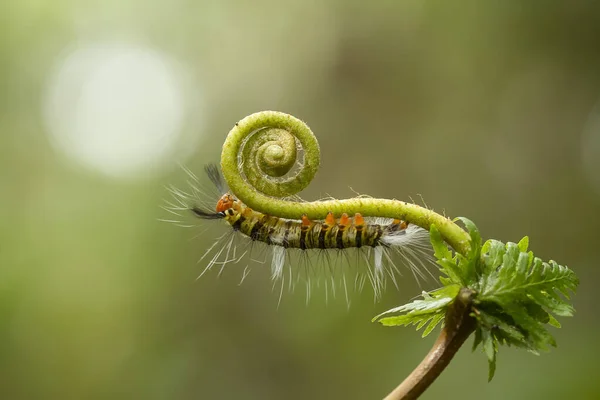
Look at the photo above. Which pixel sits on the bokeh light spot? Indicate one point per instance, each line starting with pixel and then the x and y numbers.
pixel 115 108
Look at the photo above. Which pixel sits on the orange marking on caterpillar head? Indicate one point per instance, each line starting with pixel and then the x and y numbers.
pixel 305 221
pixel 358 220
pixel 403 224
pixel 344 220
pixel 330 220
pixel 224 203
pixel 397 221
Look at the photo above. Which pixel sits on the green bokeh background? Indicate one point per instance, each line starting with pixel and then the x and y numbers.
pixel 486 109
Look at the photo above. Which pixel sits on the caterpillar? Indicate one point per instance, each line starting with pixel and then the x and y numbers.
pixel 267 158
pixel 375 240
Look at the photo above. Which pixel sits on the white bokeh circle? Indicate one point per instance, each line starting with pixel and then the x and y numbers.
pixel 116 108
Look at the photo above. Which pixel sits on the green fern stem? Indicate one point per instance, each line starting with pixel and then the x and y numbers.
pixel 258 160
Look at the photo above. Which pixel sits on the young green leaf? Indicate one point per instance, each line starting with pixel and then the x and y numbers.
pixel 490 348
pixel 448 263
pixel 430 311
pixel 471 265
pixel 523 244
pixel 515 294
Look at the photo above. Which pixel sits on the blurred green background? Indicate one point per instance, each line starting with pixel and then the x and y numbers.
pixel 486 109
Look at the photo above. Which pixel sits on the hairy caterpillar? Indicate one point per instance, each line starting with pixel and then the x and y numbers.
pixel 267 158
pixel 375 240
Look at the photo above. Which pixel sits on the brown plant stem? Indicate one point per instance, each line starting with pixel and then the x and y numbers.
pixel 458 326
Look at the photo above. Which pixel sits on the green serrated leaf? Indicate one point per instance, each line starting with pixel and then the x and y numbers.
pixel 446 281
pixel 429 311
pixel 509 262
pixel 522 266
pixel 478 338
pixel 425 320
pixel 552 304
pixel 532 322
pixel 440 247
pixel 523 244
pixel 452 270
pixel 491 368
pixel 553 321
pixel 517 295
pixel 399 320
pixel 437 318
pixel 475 236
pixel 421 320
pixel 448 263
pixel 418 308
pixel 489 348
pixel 534 310
pixel 447 291
pixel 493 254
pixel 486 247
pixel 471 267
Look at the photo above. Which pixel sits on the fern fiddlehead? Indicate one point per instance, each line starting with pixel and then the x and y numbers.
pixel 258 159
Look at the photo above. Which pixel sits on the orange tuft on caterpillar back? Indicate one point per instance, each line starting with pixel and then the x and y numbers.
pixel 358 220
pixel 330 219
pixel 344 221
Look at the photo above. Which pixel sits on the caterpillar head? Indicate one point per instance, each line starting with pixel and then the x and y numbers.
pixel 228 207
pixel 227 202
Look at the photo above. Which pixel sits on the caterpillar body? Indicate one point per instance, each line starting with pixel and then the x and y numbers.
pixel 373 240
pixel 305 234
